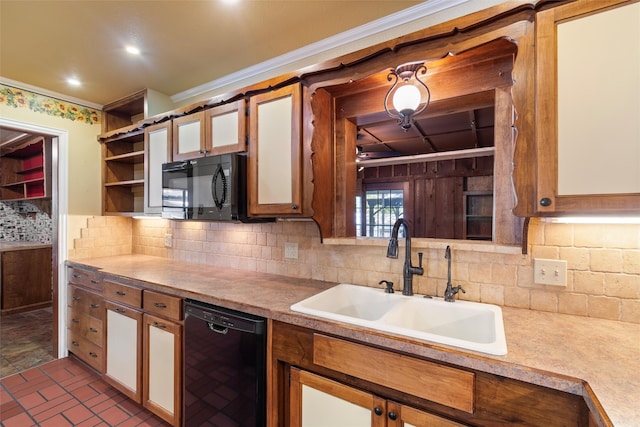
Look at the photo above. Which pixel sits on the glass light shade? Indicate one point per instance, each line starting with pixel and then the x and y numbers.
pixel 407 97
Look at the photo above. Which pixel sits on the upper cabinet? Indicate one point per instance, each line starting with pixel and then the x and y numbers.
pixel 157 150
pixel 25 170
pixel 275 147
pixel 588 81
pixel 132 154
pixel 188 137
pixel 225 128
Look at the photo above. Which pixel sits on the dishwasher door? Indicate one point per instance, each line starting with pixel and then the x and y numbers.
pixel 224 367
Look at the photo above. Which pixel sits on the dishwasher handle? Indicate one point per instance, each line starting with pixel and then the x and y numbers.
pixel 222 330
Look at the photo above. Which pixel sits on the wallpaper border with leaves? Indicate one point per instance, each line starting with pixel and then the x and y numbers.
pixel 20 98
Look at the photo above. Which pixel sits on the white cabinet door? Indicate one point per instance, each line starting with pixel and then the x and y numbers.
pixel 188 137
pixel 157 150
pixel 162 366
pixel 320 402
pixel 123 370
pixel 599 103
pixel 274 172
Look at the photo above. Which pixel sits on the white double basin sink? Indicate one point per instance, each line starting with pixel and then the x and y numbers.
pixel 469 325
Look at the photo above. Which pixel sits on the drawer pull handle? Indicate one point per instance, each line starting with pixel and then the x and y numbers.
pixel 75 343
pixel 95 282
pixel 120 310
pixel 159 325
pixel 94 330
pixel 76 276
pixel 75 320
pixel 92 354
pixel 75 298
pixel 120 293
pixel 159 305
pixel 94 305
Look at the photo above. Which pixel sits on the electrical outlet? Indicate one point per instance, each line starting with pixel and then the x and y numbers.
pixel 550 272
pixel 291 250
pixel 168 240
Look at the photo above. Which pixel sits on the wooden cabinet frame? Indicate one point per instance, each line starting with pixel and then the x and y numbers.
pixel 184 121
pixel 294 206
pixel 547 199
pixel 239 108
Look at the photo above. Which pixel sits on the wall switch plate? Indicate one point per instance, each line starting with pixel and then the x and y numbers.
pixel 291 250
pixel 168 240
pixel 550 272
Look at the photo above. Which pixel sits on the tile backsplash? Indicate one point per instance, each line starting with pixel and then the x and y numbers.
pixel 24 222
pixel 603 278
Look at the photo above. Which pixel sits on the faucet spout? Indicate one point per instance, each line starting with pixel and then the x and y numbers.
pixel 451 291
pixel 392 252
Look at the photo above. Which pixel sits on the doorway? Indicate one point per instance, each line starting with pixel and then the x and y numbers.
pixel 58 215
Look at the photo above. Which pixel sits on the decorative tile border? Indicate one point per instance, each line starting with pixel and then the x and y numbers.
pixel 24 222
pixel 20 98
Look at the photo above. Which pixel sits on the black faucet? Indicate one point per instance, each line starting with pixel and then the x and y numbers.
pixel 451 291
pixel 392 252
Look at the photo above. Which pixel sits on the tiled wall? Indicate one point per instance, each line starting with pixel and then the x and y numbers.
pixel 103 236
pixel 23 221
pixel 603 260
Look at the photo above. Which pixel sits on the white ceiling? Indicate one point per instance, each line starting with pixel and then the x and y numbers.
pixel 184 44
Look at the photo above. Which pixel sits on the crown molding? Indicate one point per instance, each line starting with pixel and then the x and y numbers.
pixel 386 23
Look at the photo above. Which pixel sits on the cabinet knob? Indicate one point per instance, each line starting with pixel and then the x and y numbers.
pixel 92 354
pixel 159 325
pixel 95 305
pixel 75 343
pixel 377 410
pixel 545 201
pixel 294 206
pixel 393 416
pixel 120 310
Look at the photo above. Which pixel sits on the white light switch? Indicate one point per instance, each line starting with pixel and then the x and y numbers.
pixel 291 250
pixel 168 240
pixel 550 272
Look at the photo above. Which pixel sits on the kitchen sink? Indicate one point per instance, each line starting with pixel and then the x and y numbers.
pixel 464 324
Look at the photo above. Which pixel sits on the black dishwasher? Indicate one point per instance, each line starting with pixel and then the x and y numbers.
pixel 224 367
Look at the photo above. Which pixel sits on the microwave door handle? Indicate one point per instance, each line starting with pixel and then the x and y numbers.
pixel 219 202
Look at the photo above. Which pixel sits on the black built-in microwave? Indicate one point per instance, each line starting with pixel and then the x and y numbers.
pixel 209 188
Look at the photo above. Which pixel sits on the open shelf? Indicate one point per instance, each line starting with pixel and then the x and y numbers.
pixel 24 170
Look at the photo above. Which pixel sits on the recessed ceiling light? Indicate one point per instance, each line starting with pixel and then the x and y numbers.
pixel 132 50
pixel 73 81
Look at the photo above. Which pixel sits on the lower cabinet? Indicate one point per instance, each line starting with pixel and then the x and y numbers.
pixel 123 348
pixel 321 380
pixel 162 368
pixel 316 401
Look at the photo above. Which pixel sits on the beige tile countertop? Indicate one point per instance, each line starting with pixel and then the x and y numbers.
pixel 6 246
pixel 595 358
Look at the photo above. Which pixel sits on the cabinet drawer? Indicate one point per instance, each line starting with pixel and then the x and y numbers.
pixel 122 293
pixel 163 305
pixel 438 383
pixel 86 327
pixel 89 278
pixel 86 351
pixel 87 302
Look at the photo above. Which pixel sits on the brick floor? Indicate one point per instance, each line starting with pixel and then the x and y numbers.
pixel 63 393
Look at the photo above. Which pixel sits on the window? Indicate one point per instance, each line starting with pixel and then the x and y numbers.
pixel 378 208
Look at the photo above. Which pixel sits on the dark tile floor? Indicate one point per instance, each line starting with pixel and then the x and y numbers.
pixel 25 340
pixel 65 393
